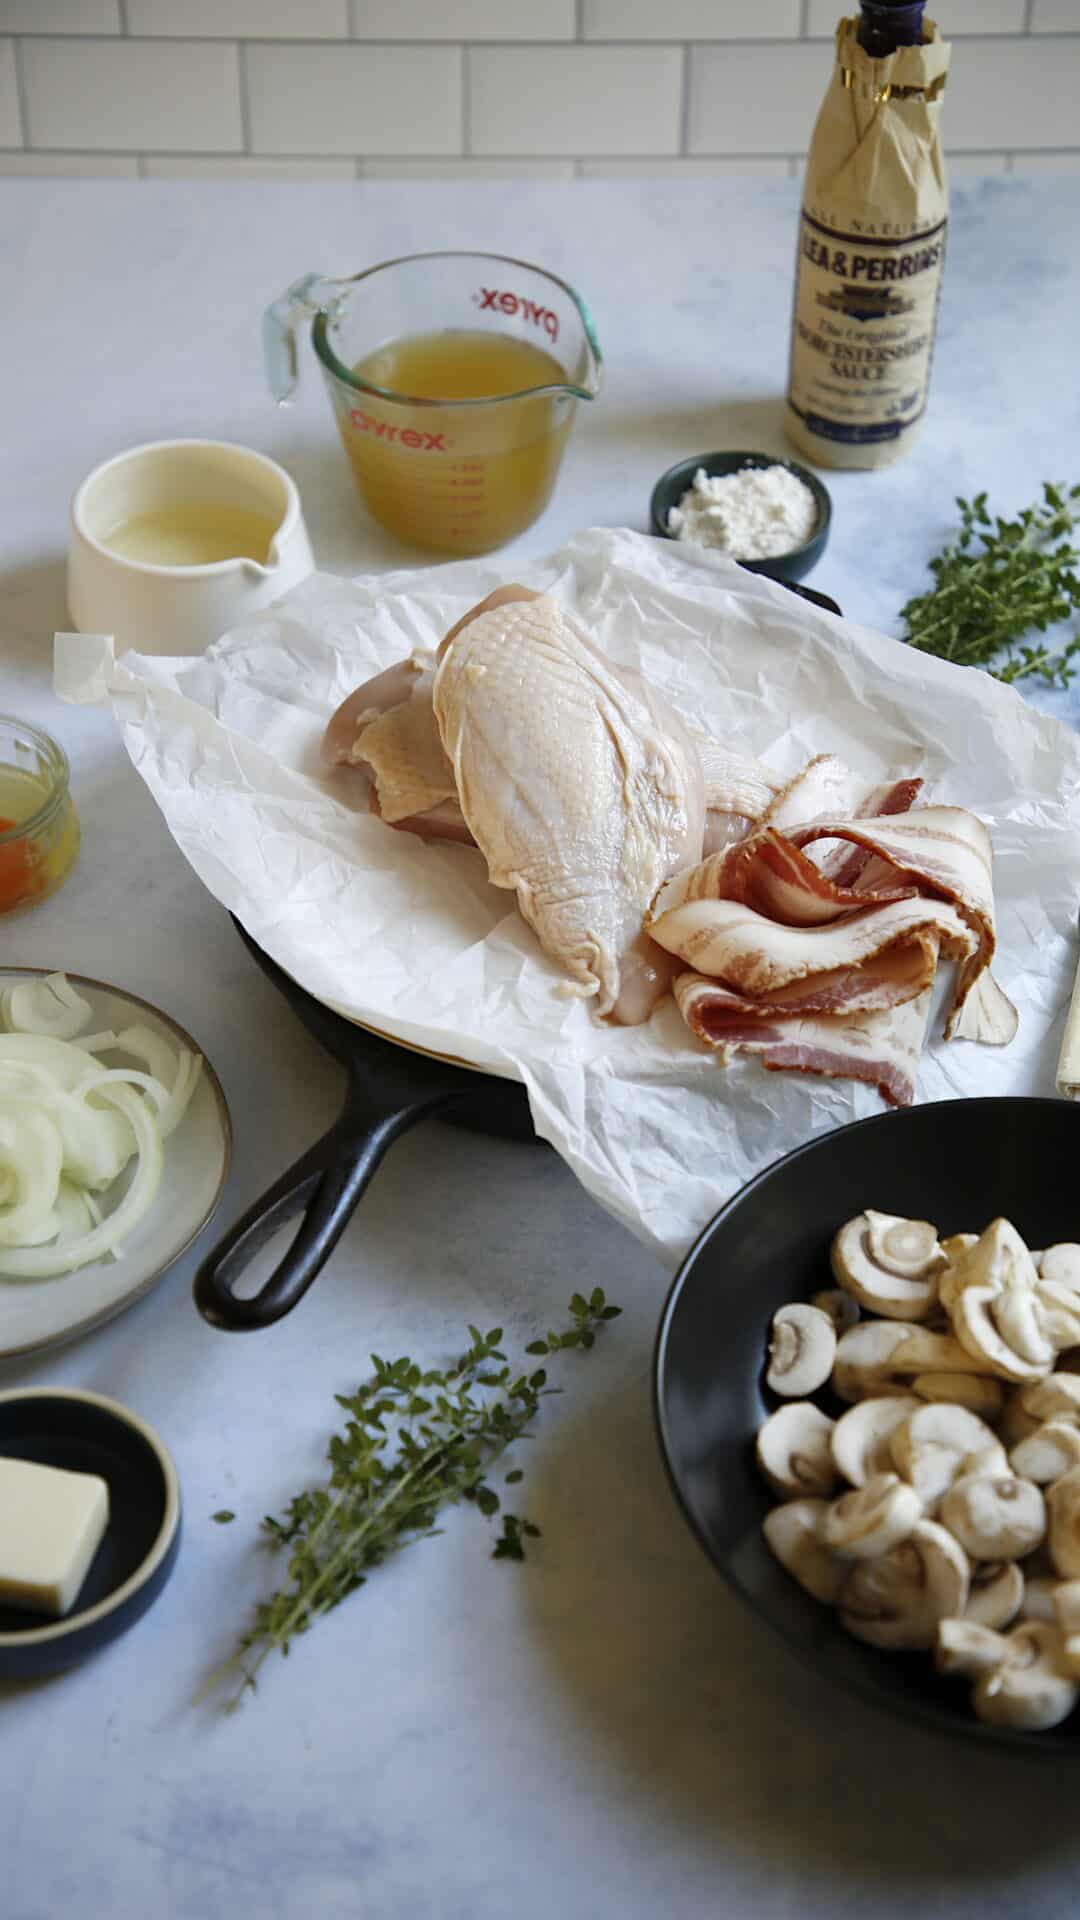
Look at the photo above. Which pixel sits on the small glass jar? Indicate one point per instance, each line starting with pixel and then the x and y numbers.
pixel 39 828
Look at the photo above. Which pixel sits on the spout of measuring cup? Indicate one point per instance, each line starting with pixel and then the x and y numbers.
pixel 299 303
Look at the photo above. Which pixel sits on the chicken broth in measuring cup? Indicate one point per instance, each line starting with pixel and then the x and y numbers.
pixel 454 379
pixel 471 484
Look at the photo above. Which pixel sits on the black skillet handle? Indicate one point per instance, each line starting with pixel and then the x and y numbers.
pixel 324 1186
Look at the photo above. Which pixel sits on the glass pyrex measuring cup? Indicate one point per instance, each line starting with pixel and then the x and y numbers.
pixel 511 348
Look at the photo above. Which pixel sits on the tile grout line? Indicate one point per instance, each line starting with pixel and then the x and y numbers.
pixel 122 9
pixel 245 99
pixel 579 19
pixel 21 95
pixel 1029 11
pixel 804 19
pixel 684 101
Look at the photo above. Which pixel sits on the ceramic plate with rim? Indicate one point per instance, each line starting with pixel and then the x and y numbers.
pixel 46 1313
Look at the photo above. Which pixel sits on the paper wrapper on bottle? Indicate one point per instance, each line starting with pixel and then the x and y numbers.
pixel 871 254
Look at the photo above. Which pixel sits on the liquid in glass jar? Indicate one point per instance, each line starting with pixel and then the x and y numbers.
pixel 458 479
pixel 39 828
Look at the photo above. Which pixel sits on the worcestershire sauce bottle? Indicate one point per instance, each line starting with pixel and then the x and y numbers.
pixel 871 243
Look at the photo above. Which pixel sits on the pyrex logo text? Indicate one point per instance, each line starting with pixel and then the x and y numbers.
pixel 405 436
pixel 512 303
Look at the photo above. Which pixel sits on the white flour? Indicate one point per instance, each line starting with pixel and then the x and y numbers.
pixel 750 514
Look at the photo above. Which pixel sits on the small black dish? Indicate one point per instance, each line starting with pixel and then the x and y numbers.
pixel 86 1433
pixel 958 1163
pixel 671 486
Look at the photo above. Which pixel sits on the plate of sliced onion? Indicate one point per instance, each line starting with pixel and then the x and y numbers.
pixel 115 1144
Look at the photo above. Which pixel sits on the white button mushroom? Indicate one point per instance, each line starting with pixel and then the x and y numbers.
pixel 794 1451
pixel 860 1438
pixel 936 1444
pixel 1030 1688
pixel 889 1263
pixel 1038 1600
pixel 793 1533
pixel 1063 1523
pixel 878 1356
pixel 978 1392
pixel 1048 1452
pixel 965 1647
pixel 1061 1264
pixel 997 1593
pixel 843 1310
pixel 801 1351
pixel 872 1520
pixel 898 1600
pixel 995 1517
pixel 989 1294
pixel 1067 1615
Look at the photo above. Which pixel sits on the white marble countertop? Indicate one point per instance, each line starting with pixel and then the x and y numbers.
pixel 603 1731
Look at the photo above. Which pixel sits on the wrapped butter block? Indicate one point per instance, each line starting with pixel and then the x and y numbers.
pixel 51 1525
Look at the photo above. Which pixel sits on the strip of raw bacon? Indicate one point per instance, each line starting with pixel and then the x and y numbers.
pixel 827 787
pixel 898 973
pixel 753 955
pixel 947 852
pixel 882 1047
pixel 768 872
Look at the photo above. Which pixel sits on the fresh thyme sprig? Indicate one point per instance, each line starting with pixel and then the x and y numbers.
pixel 999 580
pixel 414 1442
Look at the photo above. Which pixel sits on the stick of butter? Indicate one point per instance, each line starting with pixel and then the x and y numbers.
pixel 51 1525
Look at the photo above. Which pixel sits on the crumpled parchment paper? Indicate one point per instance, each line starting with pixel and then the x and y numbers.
pixel 410 938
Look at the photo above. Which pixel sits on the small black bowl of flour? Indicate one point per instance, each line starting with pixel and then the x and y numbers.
pixel 771 515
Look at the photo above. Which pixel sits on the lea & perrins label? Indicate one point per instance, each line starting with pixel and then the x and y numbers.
pixel 871 245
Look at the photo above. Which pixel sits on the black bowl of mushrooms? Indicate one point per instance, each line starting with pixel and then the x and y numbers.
pixel 867 1390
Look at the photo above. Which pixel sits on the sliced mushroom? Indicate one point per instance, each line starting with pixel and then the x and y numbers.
pixel 1059 1314
pixel 1063 1523
pixel 793 1533
pixel 860 1438
pixel 1030 1688
pixel 956 1245
pixel 898 1600
pixel 1061 1264
pixel 936 1444
pixel 794 1452
pixel 995 1516
pixel 1067 1613
pixel 1038 1600
pixel 989 1293
pixel 801 1351
pixel 890 1264
pixel 879 1355
pixel 978 1392
pixel 964 1647
pixel 1057 1398
pixel 872 1520
pixel 842 1308
pixel 1048 1452
pixel 997 1593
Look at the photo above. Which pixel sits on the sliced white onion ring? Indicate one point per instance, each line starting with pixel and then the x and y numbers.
pixel 27 1263
pixel 49 1006
pixel 31 1154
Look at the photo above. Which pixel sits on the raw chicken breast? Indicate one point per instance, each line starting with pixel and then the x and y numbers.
pixel 583 790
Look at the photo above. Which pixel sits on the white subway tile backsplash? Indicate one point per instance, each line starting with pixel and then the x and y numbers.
pixel 771 165
pixel 691 19
pixel 464 19
pixel 10 127
pixel 132 94
pixel 60 16
pixel 759 98
pixel 241 19
pixel 953 16
pixel 69 166
pixel 219 166
pixel 1020 93
pixel 1055 16
pixel 489 167
pixel 354 99
pixel 577 100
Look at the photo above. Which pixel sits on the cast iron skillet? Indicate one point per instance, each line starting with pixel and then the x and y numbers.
pixel 390 1088
pixel 958 1163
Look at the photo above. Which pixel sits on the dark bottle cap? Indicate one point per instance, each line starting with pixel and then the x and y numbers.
pixel 888 24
